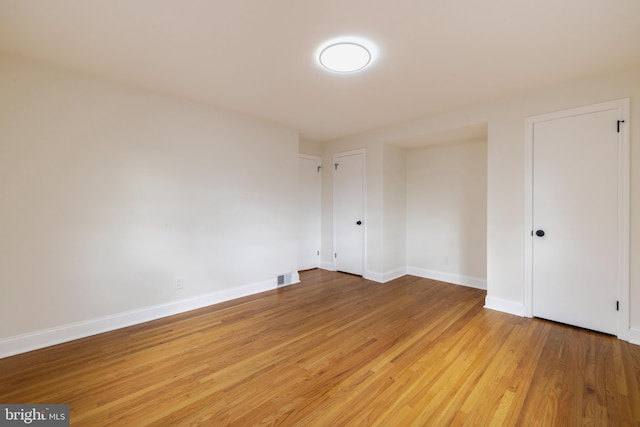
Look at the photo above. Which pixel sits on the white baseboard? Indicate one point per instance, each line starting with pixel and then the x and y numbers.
pixel 52 336
pixel 394 274
pixel 385 277
pixel 457 279
pixel 634 336
pixel 506 306
pixel 373 276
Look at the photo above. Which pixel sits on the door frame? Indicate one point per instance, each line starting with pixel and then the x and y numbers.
pixel 337 156
pixel 622 106
pixel 319 191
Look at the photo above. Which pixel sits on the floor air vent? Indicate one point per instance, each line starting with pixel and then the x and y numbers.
pixel 284 279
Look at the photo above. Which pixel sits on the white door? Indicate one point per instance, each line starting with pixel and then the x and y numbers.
pixel 309 182
pixel 575 220
pixel 348 199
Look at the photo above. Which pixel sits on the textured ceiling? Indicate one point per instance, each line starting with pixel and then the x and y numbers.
pixel 257 57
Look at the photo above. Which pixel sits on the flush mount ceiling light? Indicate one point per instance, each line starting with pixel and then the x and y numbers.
pixel 345 55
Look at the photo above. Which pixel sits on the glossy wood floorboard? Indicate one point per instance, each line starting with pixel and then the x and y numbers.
pixel 338 350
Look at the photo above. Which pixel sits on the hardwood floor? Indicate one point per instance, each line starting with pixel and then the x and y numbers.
pixel 338 350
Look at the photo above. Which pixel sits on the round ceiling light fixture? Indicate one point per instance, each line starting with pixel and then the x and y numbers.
pixel 347 55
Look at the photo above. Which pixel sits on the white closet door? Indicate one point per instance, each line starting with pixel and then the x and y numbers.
pixel 349 213
pixel 575 220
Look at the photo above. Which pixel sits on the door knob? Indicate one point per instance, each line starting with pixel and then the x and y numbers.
pixel 540 233
pixel 359 222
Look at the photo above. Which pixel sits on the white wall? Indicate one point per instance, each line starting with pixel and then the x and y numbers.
pixel 505 171
pixel 394 211
pixel 108 193
pixel 447 211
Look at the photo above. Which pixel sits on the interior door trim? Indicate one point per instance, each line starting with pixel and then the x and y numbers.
pixel 318 161
pixel 622 106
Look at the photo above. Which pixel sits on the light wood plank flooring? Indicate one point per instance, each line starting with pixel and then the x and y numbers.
pixel 338 350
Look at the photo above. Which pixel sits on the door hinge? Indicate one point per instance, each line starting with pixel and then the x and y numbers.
pixel 619 121
pixel 318 253
pixel 335 255
pixel 617 305
pixel 319 167
pixel 335 165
